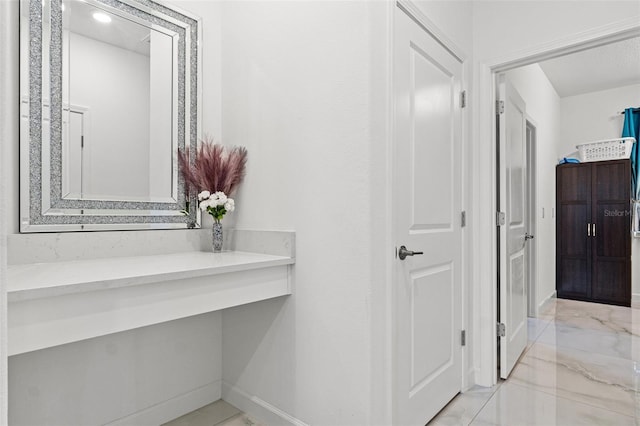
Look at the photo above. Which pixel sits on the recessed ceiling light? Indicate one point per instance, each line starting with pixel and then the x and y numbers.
pixel 101 17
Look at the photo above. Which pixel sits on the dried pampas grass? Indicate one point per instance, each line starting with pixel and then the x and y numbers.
pixel 214 167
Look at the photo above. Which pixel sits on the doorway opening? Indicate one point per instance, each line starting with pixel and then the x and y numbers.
pixel 540 201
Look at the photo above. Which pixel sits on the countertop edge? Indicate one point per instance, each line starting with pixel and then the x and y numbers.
pixel 24 294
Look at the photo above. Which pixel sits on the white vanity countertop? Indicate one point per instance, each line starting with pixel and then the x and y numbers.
pixel 41 280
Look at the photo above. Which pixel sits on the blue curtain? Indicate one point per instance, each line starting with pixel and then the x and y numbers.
pixel 631 128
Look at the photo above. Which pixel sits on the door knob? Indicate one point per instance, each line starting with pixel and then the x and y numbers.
pixel 528 236
pixel 403 252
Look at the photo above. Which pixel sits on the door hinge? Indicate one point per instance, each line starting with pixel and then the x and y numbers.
pixel 500 219
pixel 82 141
pixel 463 338
pixel 501 330
pixel 499 107
pixel 463 99
pixel 463 219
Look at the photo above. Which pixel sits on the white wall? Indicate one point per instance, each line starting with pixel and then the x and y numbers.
pixel 100 380
pixel 453 18
pixel 161 362
pixel 297 89
pixel 502 28
pixel 9 40
pixel 160 116
pixel 594 116
pixel 543 108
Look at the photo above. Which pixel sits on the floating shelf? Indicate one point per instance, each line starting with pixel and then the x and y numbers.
pixel 56 303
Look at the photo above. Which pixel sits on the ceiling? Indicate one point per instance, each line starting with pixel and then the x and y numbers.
pixel 120 32
pixel 600 68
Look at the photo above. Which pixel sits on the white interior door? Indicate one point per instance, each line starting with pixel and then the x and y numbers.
pixel 513 202
pixel 427 195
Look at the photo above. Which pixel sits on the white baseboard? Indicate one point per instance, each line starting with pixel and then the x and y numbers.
pixel 470 379
pixel 635 300
pixel 173 408
pixel 258 408
pixel 547 300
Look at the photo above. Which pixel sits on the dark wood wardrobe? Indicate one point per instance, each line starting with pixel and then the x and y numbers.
pixel 593 232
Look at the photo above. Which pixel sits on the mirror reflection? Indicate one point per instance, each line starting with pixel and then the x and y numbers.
pixel 118 137
pixel 109 95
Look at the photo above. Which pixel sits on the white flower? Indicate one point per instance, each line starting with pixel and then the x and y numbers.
pixel 203 195
pixel 222 197
pixel 213 200
pixel 206 203
pixel 230 205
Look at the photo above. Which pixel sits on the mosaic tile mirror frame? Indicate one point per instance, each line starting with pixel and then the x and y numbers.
pixel 109 92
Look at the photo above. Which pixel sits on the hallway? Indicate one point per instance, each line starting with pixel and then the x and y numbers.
pixel 581 367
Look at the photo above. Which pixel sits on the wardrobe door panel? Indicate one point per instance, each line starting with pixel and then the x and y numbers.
pixel 572 278
pixel 573 264
pixel 610 282
pixel 612 229
pixel 574 240
pixel 610 181
pixel 574 183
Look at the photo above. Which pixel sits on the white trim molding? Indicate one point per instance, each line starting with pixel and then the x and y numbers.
pixel 174 407
pixel 635 300
pixel 547 301
pixel 265 412
pixel 599 36
pixel 413 11
pixel 380 316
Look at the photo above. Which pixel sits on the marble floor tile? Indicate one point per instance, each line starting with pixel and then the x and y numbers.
pixel 548 311
pixel 219 411
pixel 515 405
pixel 213 414
pixel 535 327
pixel 597 316
pixel 591 378
pixel 605 342
pixel 581 367
pixel 241 420
pixel 463 408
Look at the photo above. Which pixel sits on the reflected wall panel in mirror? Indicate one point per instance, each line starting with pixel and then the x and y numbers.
pixel 109 94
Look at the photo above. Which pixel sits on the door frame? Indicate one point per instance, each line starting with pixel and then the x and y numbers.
pixel 485 236
pixel 532 245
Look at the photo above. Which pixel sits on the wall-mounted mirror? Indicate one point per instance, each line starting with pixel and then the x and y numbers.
pixel 109 94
